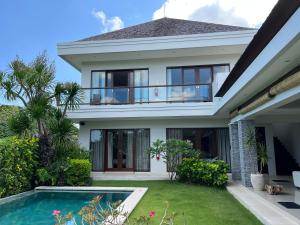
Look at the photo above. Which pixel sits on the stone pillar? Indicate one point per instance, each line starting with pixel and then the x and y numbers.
pixel 248 155
pixel 235 152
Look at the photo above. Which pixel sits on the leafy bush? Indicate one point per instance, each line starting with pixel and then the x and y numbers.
pixel 18 161
pixel 20 123
pixel 172 151
pixel 71 151
pixel 6 111
pixel 78 172
pixel 44 177
pixel 211 173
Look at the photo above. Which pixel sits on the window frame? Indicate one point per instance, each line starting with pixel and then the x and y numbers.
pixel 130 82
pixel 197 78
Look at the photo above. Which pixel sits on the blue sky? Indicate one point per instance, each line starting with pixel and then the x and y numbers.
pixel 28 27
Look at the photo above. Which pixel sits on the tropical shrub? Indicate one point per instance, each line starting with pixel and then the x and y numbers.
pixel 44 177
pixel 78 172
pixel 208 172
pixel 172 152
pixel 18 161
pixel 20 123
pixel 6 111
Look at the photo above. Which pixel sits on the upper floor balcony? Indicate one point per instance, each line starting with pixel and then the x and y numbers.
pixel 184 91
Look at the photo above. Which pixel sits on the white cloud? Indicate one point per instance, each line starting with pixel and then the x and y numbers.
pixel 250 13
pixel 108 24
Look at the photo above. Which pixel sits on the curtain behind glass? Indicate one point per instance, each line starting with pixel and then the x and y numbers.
pixel 141 79
pixel 97 149
pixel 142 145
pixel 174 133
pixel 223 144
pixel 98 83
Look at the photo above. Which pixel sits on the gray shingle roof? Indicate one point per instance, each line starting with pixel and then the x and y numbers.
pixel 164 27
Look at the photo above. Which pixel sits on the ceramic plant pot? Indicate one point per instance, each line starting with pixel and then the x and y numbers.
pixel 258 182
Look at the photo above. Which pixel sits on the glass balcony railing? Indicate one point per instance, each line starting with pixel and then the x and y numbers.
pixel 147 94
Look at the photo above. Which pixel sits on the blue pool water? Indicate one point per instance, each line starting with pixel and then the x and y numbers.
pixel 37 208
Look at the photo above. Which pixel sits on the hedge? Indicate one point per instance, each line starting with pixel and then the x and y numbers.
pixel 18 161
pixel 78 172
pixel 211 173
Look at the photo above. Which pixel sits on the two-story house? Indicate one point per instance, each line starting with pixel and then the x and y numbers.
pixel 155 80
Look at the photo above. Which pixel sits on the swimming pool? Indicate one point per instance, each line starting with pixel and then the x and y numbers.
pixel 36 207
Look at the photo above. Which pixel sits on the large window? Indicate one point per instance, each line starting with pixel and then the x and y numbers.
pixel 120 150
pixel 118 86
pixel 192 83
pixel 210 142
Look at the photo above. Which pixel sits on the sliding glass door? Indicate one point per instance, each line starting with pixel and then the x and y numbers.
pixel 121 150
pixel 210 142
pixel 119 87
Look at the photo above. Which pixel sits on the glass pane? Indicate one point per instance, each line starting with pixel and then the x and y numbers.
pixel 189 93
pixel 112 149
pixel 109 79
pixel 121 78
pixel 142 142
pixel 205 75
pixel 157 94
pixel 208 145
pixel 97 149
pixel 98 79
pixel 189 76
pixel 174 76
pixel 175 93
pixel 204 93
pixel 220 70
pixel 141 79
pixel 121 95
pixel 127 148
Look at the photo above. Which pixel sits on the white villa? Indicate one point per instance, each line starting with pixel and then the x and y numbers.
pixel 189 80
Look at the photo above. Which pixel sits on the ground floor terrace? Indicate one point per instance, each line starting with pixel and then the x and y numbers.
pixel 120 147
pixel 273 114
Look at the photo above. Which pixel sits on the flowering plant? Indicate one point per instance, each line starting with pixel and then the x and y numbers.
pixel 95 214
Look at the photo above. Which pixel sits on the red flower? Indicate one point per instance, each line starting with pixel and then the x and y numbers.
pixel 157 157
pixel 56 212
pixel 151 213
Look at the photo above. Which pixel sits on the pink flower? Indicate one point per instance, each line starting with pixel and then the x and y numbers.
pixel 151 213
pixel 56 212
pixel 158 157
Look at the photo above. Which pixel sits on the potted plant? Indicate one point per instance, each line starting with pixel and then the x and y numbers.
pixel 258 180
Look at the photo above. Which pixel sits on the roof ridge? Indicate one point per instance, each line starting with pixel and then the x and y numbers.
pixel 165 27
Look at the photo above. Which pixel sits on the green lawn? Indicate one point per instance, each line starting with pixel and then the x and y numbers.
pixel 200 204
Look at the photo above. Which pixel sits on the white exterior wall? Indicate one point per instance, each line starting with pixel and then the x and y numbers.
pixel 157 131
pixel 157 76
pixel 157 67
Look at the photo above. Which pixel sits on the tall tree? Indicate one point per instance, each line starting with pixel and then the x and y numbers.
pixel 33 84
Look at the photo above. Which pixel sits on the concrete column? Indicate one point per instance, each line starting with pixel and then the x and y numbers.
pixel 248 155
pixel 270 149
pixel 235 152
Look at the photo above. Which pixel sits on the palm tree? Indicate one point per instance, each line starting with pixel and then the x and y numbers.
pixel 33 84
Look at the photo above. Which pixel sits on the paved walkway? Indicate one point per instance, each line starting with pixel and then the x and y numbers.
pixel 267 212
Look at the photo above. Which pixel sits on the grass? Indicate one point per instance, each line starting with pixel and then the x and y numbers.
pixel 200 204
